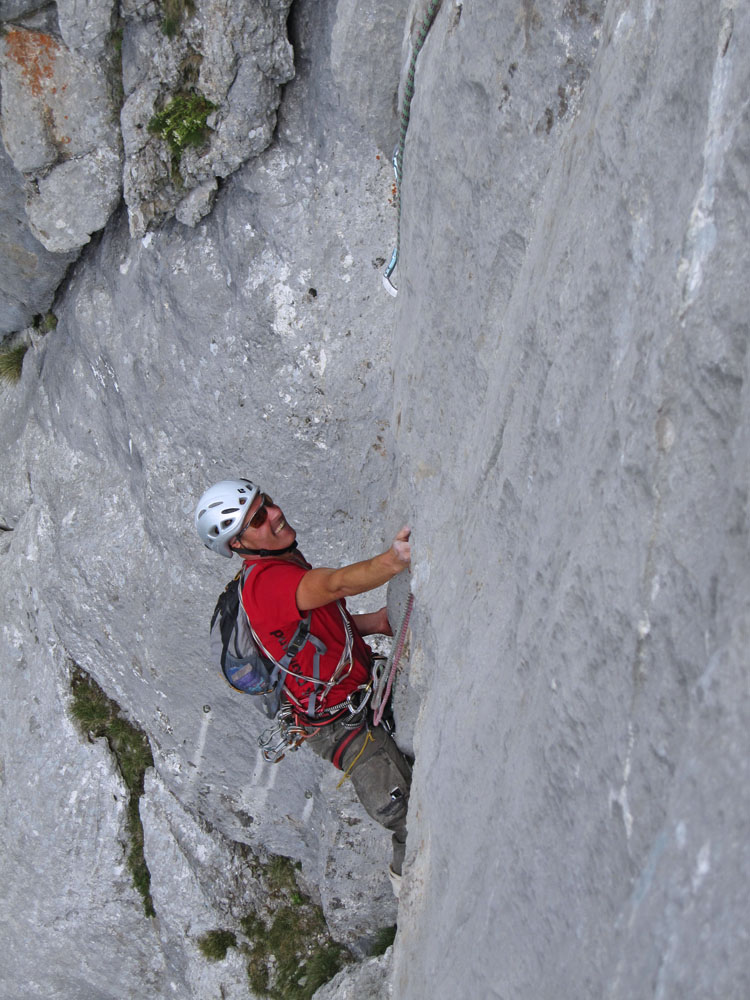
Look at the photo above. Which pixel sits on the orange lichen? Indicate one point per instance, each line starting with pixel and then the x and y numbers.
pixel 35 53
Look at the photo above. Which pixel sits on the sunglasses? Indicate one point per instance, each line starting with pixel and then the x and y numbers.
pixel 259 517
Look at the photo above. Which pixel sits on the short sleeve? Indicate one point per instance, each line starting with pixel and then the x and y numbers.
pixel 271 591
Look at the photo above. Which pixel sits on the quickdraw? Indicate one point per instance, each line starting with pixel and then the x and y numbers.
pixel 284 736
pixel 291 727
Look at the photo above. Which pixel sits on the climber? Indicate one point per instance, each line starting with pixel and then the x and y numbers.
pixel 328 682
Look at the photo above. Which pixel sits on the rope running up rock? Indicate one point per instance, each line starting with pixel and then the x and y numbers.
pixel 383 691
pixel 398 155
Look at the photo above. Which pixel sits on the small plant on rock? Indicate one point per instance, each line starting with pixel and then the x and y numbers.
pixel 45 323
pixel 383 940
pixel 290 950
pixel 214 945
pixel 11 363
pixel 182 123
pixel 280 874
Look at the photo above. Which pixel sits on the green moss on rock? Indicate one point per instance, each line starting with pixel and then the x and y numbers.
pixel 174 13
pixel 291 952
pixel 98 716
pixel 182 122
pixel 11 363
pixel 214 945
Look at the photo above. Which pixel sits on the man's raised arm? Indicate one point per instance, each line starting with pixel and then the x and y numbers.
pixel 322 586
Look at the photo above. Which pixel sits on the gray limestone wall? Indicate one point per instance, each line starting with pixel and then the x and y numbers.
pixel 29 274
pixel 180 358
pixel 556 401
pixel 572 305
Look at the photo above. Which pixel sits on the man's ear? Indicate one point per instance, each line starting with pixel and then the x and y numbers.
pixel 234 543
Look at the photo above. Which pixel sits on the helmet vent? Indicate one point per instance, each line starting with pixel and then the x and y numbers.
pixel 221 511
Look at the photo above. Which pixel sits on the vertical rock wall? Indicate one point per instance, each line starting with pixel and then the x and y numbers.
pixel 572 306
pixel 82 89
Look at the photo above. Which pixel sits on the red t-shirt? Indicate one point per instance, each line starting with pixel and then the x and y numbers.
pixel 269 598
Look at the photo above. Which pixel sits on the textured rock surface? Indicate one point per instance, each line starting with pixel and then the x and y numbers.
pixel 63 69
pixel 86 25
pixel 59 127
pixel 266 319
pixel 200 883
pixel 572 306
pixel 234 54
pixel 12 9
pixel 566 429
pixel 367 979
pixel 68 901
pixel 29 274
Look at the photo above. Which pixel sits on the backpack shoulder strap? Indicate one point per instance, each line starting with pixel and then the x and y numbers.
pixel 298 640
pixel 301 637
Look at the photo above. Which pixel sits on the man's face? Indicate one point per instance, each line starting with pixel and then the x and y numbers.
pixel 265 527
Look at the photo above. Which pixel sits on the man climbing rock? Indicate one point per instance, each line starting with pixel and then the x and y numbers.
pixel 329 678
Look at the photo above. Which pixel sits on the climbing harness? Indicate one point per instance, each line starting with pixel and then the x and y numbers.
pixel 398 153
pixel 384 682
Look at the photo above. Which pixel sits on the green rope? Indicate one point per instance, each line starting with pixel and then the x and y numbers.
pixel 398 156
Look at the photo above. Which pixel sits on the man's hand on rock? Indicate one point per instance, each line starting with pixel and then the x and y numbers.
pixel 401 548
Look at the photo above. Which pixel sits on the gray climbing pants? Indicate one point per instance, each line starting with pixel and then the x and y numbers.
pixel 379 772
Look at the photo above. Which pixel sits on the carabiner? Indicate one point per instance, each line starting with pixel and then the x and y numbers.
pixel 355 707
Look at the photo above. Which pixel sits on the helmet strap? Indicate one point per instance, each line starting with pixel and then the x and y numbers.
pixel 266 552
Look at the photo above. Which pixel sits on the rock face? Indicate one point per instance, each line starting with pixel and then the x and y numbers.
pixel 270 313
pixel 87 25
pixel 236 55
pixel 60 130
pixel 66 886
pixel 556 402
pixel 575 235
pixel 29 274
pixel 65 71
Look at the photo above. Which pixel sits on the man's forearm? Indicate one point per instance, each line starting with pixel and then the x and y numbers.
pixel 322 586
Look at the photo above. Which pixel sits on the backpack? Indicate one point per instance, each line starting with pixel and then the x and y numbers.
pixel 242 660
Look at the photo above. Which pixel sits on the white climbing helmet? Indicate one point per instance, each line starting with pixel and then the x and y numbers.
pixel 221 511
